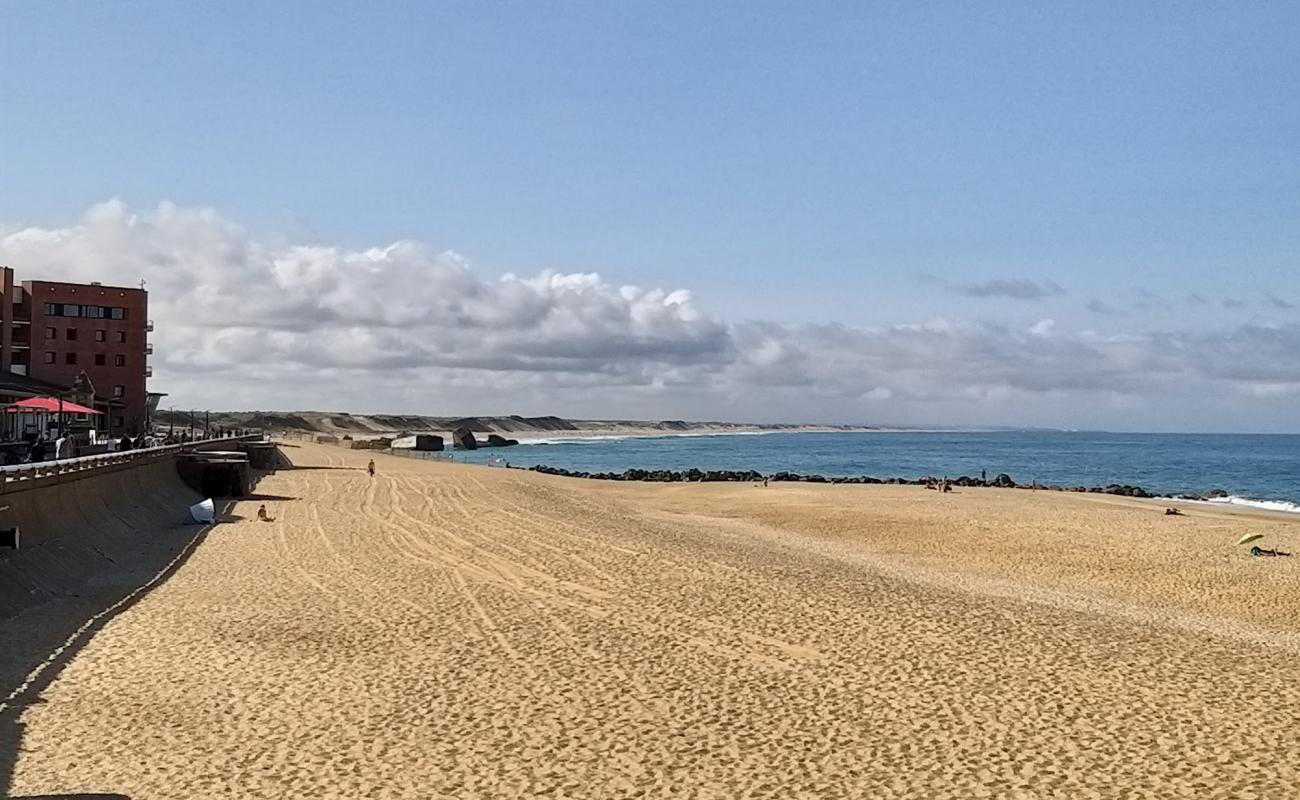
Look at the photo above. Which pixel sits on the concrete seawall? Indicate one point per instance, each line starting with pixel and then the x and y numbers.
pixel 89 531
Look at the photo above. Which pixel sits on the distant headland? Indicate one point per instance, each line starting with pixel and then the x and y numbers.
pixel 359 426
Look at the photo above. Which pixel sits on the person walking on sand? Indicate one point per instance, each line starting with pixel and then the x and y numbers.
pixel 371 468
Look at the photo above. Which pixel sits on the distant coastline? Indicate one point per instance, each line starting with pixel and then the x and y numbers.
pixel 369 426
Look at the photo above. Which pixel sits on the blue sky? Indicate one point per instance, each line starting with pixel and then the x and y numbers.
pixel 869 165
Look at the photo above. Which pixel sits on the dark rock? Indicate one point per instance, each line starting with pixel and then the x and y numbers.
pixel 427 441
pixel 495 440
pixel 463 438
pixel 714 476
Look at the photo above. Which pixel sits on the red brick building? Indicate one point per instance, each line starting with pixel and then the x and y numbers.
pixel 51 331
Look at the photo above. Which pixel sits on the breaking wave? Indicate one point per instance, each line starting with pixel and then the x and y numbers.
pixel 1268 505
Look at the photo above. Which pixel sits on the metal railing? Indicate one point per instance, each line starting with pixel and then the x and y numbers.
pixel 14 473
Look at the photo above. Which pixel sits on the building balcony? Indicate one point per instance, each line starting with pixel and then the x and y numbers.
pixel 148 326
pixel 148 371
pixel 148 349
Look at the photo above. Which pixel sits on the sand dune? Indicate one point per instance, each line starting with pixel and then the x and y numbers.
pixel 454 631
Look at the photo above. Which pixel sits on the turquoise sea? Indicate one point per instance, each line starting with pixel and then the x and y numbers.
pixel 1261 470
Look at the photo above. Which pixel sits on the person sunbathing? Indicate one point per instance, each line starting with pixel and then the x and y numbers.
pixel 1260 551
pixel 262 515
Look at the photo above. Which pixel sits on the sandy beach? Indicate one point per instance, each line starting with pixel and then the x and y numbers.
pixel 456 631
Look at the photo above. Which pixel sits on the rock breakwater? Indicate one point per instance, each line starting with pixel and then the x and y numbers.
pixel 1002 480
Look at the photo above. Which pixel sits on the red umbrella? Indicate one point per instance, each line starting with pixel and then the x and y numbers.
pixel 50 404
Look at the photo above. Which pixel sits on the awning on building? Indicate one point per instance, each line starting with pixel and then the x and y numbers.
pixel 48 404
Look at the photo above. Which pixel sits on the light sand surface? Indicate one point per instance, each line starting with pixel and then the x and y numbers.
pixel 447 630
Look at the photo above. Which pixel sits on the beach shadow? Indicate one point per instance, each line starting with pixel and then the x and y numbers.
pixel 279 498
pixel 41 641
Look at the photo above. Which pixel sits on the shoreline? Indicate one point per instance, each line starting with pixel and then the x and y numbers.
pixel 1217 498
pixel 593 435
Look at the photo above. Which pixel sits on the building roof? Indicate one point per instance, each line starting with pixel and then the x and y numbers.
pixel 13 383
pixel 77 285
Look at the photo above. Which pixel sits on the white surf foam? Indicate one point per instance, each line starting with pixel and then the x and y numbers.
pixel 1268 505
pixel 574 439
pixel 669 435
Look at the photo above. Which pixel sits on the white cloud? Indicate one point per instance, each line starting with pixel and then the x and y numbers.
pixel 1043 327
pixel 1013 288
pixel 402 327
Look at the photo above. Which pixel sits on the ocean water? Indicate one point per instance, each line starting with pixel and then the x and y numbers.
pixel 1261 470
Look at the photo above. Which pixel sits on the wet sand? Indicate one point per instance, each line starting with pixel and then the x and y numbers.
pixel 447 630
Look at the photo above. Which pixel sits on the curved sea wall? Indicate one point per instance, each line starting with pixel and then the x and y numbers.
pixel 92 527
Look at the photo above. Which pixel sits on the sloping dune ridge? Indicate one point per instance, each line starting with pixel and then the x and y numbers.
pixel 455 631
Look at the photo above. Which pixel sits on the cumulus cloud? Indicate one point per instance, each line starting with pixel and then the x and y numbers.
pixel 223 299
pixel 403 327
pixel 1015 288
pixel 1278 303
pixel 1099 307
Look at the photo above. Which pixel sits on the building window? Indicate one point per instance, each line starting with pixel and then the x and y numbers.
pixel 94 312
pixel 52 310
pixel 117 313
pixel 118 422
pixel 69 358
pixel 71 310
pixel 118 391
pixel 100 359
pixel 121 336
pixel 101 335
pixel 72 334
pixel 51 333
pixel 50 357
pixel 119 361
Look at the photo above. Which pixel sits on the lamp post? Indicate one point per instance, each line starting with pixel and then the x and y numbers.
pixel 81 385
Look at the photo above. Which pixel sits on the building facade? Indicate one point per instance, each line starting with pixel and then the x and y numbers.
pixel 51 331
